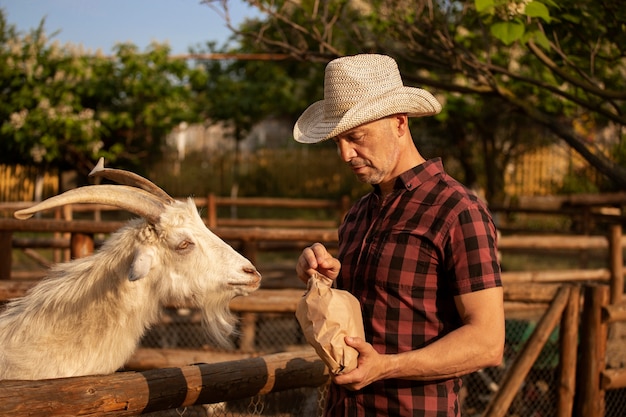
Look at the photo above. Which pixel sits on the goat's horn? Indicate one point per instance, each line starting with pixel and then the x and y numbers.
pixel 132 199
pixel 129 178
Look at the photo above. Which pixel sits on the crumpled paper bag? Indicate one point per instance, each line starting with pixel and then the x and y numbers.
pixel 327 315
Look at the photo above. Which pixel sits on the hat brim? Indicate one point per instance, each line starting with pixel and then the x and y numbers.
pixel 313 127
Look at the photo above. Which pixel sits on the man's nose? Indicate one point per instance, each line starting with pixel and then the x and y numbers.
pixel 345 151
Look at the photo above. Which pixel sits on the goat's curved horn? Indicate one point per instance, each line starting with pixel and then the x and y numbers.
pixel 129 178
pixel 132 199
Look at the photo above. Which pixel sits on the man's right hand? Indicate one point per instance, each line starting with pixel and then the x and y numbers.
pixel 316 259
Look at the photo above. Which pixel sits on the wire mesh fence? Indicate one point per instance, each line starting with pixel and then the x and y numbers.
pixel 278 332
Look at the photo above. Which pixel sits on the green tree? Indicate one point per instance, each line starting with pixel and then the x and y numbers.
pixel 43 119
pixel 546 65
pixel 243 92
pixel 140 96
pixel 65 108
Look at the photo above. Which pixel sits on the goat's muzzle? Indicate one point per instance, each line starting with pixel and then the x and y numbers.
pixel 251 284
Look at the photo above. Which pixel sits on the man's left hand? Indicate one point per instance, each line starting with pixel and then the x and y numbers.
pixel 370 366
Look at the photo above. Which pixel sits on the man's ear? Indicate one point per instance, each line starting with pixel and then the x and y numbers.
pixel 401 121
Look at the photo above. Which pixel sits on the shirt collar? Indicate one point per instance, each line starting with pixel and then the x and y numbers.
pixel 411 179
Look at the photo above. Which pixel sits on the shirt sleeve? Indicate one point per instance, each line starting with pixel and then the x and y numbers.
pixel 472 251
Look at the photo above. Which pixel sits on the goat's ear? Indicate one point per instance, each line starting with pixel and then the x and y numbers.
pixel 142 263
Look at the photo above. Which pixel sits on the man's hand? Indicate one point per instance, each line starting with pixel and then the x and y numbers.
pixel 316 259
pixel 371 366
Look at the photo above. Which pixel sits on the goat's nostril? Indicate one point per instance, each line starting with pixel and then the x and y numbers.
pixel 251 270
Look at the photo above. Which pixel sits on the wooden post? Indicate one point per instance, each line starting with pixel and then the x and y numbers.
pixel 57 254
pixel 68 214
pixel 568 352
pixel 345 206
pixel 248 332
pixel 249 250
pixel 514 377
pixel 81 245
pixel 211 210
pixel 616 263
pixel 593 338
pixel 6 254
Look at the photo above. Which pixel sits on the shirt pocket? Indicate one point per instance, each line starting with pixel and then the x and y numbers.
pixel 405 260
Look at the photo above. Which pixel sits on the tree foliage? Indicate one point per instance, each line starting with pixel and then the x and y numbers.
pixel 551 66
pixel 242 92
pixel 64 107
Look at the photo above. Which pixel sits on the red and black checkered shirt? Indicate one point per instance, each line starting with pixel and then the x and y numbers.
pixel 405 260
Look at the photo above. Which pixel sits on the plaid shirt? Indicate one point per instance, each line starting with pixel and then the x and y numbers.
pixel 405 259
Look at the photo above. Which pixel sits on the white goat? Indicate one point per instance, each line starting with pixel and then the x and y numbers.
pixel 88 315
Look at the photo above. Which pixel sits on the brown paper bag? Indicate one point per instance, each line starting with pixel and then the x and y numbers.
pixel 326 316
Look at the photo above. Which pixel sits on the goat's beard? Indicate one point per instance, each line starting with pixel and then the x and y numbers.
pixel 218 321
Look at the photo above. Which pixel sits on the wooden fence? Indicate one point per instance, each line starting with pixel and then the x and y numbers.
pixel 559 294
pixel 133 393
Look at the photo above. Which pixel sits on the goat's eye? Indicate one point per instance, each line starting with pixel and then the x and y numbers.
pixel 184 246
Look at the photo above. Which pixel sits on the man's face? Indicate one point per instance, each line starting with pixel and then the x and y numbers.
pixel 371 150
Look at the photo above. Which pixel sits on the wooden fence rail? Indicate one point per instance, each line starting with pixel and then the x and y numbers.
pixel 133 393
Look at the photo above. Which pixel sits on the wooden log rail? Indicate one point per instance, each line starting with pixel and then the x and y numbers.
pixel 213 202
pixel 132 393
pixel 614 378
pixel 285 300
pixel 144 359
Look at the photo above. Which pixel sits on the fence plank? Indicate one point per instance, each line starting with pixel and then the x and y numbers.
pixel 614 312
pixel 613 378
pixel 565 242
pixel 529 293
pixel 563 275
pixel 285 300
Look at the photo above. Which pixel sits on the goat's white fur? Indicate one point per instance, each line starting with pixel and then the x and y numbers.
pixel 89 314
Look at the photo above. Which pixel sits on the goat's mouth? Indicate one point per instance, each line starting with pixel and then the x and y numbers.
pixel 253 283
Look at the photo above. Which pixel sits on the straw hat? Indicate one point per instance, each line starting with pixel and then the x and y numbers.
pixel 359 89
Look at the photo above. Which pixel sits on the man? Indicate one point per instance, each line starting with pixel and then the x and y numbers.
pixel 419 251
